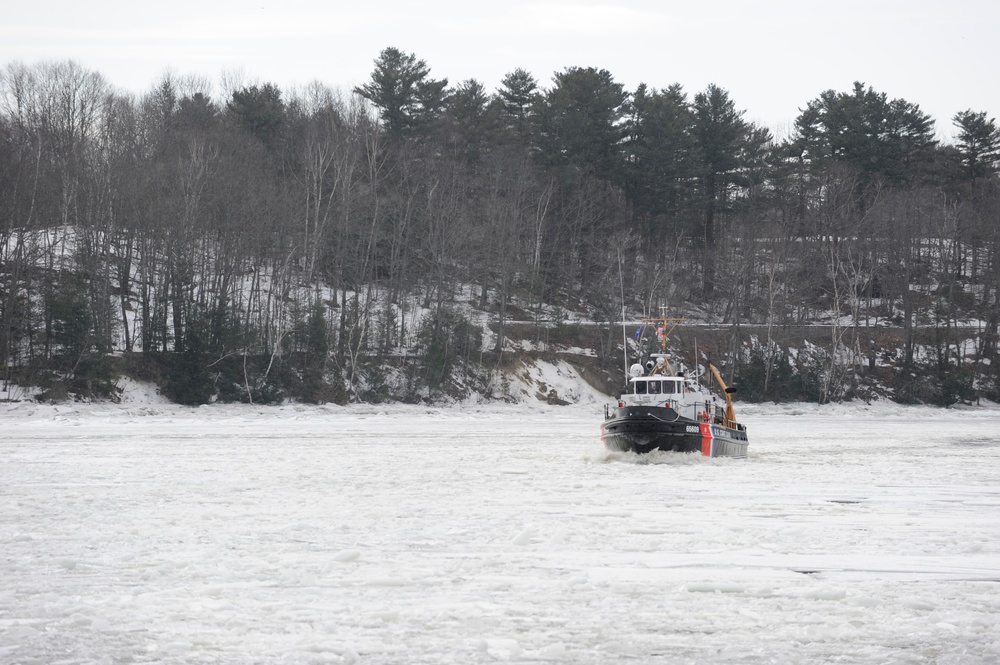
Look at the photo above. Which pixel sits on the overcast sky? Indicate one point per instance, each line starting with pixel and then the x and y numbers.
pixel 773 56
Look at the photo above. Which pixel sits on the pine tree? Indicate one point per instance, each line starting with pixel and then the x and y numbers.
pixel 188 380
pixel 660 158
pixel 519 97
pixel 403 92
pixel 720 134
pixel 581 123
pixel 882 139
pixel 978 143
pixel 258 111
pixel 473 118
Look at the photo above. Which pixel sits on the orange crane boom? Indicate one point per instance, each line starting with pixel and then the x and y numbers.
pixel 730 417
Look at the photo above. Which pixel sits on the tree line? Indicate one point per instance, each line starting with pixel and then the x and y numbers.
pixel 269 243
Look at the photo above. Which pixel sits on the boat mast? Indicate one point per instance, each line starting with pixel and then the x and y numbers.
pixel 661 324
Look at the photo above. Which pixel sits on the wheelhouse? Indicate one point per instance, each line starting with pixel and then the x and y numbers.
pixel 656 385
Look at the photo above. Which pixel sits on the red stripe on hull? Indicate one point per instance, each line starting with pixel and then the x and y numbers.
pixel 706 439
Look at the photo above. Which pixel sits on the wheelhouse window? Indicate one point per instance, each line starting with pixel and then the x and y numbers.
pixel 654 387
pixel 640 387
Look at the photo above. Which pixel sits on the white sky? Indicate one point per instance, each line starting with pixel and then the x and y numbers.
pixel 773 56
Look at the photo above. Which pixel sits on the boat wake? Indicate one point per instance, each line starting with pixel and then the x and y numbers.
pixel 653 457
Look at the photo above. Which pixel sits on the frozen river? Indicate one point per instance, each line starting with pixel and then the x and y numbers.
pixel 135 534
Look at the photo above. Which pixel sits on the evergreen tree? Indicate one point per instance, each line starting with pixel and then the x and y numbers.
pixel 910 143
pixel 403 92
pixel 72 322
pixel 519 98
pixel 890 140
pixel 720 134
pixel 257 110
pixel 581 122
pixel 446 341
pixel 197 113
pixel 978 143
pixel 473 119
pixel 660 158
pixel 188 380
pixel 315 347
pixel 161 103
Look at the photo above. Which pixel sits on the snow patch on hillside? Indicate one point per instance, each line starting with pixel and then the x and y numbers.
pixel 552 382
pixel 140 392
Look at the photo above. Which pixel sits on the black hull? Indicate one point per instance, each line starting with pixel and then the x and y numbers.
pixel 643 429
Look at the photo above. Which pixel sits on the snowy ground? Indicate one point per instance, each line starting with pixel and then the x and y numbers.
pixel 145 533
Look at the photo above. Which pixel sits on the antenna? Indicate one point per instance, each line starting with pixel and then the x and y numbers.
pixel 621 283
pixel 697 360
